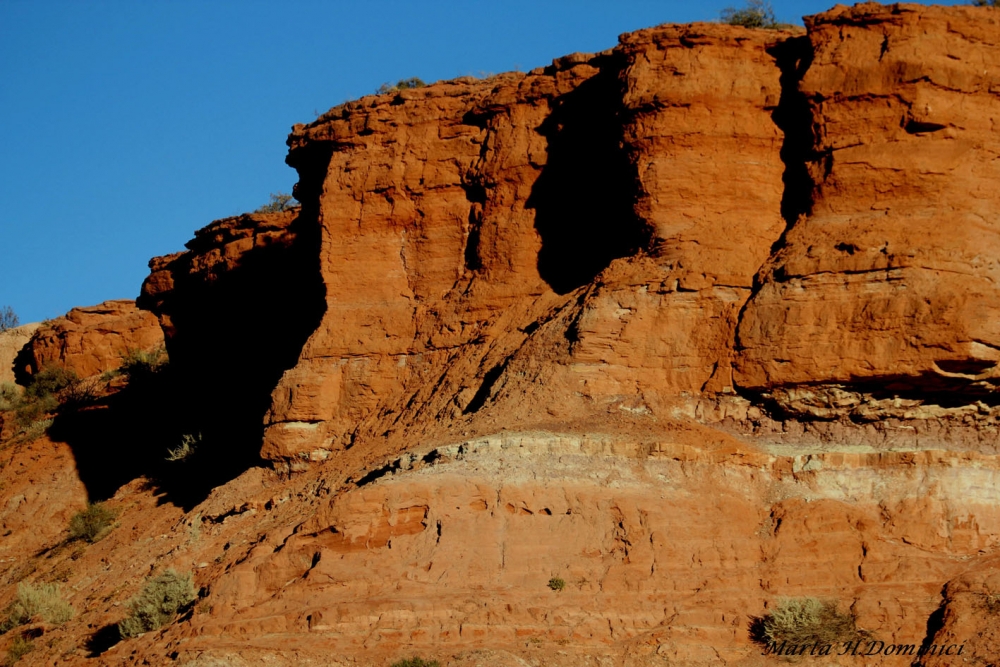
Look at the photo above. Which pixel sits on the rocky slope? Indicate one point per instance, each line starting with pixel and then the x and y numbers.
pixel 692 325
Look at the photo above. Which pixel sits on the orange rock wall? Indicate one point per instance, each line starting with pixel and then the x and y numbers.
pixel 890 280
pixel 94 339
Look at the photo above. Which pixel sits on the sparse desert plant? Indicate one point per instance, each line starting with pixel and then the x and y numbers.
pixel 141 364
pixel 755 14
pixel 280 201
pixel 158 604
pixel 806 620
pixel 92 523
pixel 402 84
pixel 82 393
pixel 10 394
pixel 416 662
pixel 34 430
pixel 8 318
pixel 49 381
pixel 187 448
pixel 557 584
pixel 41 600
pixel 18 648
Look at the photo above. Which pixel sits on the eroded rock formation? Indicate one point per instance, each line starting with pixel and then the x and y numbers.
pixel 93 339
pixel 693 324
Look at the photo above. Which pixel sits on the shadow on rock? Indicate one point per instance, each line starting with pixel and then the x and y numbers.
pixel 102 640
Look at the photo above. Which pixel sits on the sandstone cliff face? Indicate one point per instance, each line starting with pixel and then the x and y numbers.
pixel 693 324
pixel 94 339
pixel 886 289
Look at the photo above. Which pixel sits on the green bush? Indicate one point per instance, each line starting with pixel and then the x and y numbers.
pixel 416 662
pixel 158 604
pixel 557 584
pixel 402 84
pixel 42 600
pixel 10 394
pixel 806 621
pixel 17 650
pixel 756 14
pixel 49 381
pixel 92 523
pixel 280 201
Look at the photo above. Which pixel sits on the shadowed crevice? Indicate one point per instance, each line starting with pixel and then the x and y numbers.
pixel 584 198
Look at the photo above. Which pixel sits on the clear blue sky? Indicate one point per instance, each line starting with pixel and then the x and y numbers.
pixel 125 126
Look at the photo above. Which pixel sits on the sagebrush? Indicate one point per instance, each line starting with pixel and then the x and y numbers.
pixel 158 604
pixel 755 14
pixel 92 523
pixel 17 650
pixel 140 364
pixel 557 584
pixel 416 662
pixel 807 620
pixel 402 84
pixel 41 600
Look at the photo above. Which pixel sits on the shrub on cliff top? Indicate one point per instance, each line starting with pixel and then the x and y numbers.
pixel 986 3
pixel 280 201
pixel 158 604
pixel 805 621
pixel 8 318
pixel 402 84
pixel 756 14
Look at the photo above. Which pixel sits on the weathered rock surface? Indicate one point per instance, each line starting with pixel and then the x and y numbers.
pixel 12 342
pixel 887 287
pixel 94 339
pixel 693 324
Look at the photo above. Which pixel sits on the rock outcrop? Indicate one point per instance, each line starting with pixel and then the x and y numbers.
pixel 12 342
pixel 882 298
pixel 681 328
pixel 91 340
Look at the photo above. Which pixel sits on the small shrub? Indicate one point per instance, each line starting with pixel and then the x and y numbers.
pixel 34 430
pixel 29 411
pixel 557 584
pixel 402 84
pixel 8 318
pixel 42 600
pixel 141 364
pixel 805 621
pixel 10 394
pixel 280 201
pixel 186 449
pixel 92 523
pixel 17 650
pixel 756 14
pixel 81 393
pixel 158 604
pixel 49 381
pixel 416 662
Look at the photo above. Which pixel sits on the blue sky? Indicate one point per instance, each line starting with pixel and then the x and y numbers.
pixel 125 126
